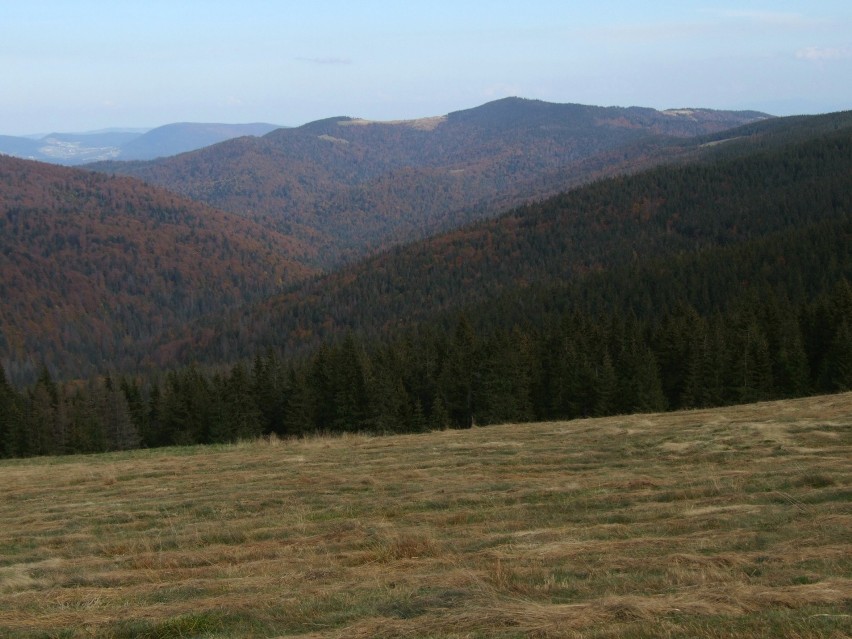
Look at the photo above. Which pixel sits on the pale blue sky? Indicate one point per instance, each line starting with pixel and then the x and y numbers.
pixel 74 65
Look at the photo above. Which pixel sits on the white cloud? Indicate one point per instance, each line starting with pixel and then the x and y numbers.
pixel 818 54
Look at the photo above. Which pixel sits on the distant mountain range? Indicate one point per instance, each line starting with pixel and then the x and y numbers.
pixel 80 148
pixel 349 187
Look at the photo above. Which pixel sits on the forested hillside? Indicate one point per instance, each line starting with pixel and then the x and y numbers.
pixel 349 186
pixel 92 267
pixel 79 318
pixel 620 342
pixel 719 282
pixel 668 213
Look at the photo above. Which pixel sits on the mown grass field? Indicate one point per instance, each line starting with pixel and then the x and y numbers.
pixel 715 523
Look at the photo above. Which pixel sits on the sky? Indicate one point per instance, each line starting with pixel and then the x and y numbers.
pixel 83 65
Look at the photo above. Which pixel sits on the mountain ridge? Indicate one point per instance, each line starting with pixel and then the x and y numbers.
pixel 357 186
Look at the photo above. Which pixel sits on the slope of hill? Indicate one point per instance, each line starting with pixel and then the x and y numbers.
pixel 609 225
pixel 92 266
pixel 705 524
pixel 353 186
pixel 613 224
pixel 80 148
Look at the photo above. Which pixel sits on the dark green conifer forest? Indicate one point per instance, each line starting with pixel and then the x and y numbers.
pixel 476 372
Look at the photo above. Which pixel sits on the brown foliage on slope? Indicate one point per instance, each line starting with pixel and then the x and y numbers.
pixel 90 262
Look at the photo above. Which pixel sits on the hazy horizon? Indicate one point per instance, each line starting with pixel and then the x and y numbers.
pixel 93 65
pixel 145 129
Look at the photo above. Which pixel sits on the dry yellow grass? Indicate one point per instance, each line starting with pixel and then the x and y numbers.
pixel 715 523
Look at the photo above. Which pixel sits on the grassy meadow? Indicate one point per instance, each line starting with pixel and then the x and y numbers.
pixel 712 523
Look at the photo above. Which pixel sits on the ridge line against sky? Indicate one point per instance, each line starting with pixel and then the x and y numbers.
pixel 94 64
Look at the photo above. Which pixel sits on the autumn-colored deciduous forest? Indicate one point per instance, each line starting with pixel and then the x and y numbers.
pixel 93 266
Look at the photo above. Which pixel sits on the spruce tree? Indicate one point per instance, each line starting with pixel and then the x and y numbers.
pixel 88 433
pixel 348 377
pixel 457 376
pixel 837 371
pixel 154 434
pixel 439 419
pixel 121 433
pixel 268 388
pixel 11 419
pixel 391 408
pixel 502 386
pixel 751 368
pixel 44 431
pixel 323 409
pixel 605 387
pixel 241 412
pixel 299 409
pixel 419 423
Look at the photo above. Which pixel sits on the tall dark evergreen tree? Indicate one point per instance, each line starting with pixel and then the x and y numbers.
pixel 349 380
pixel 392 407
pixel 836 363
pixel 439 418
pixel 44 428
pixel 185 408
pixel 837 367
pixel 299 409
pixel 268 388
pixel 554 385
pixel 751 365
pixel 88 432
pixel 503 383
pixel 154 435
pixel 12 437
pixel 457 376
pixel 121 433
pixel 605 385
pixel 242 416
pixel 322 390
pixel 640 388
pixel 137 407
pixel 672 347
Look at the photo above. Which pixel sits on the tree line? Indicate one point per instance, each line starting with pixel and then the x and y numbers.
pixel 455 374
